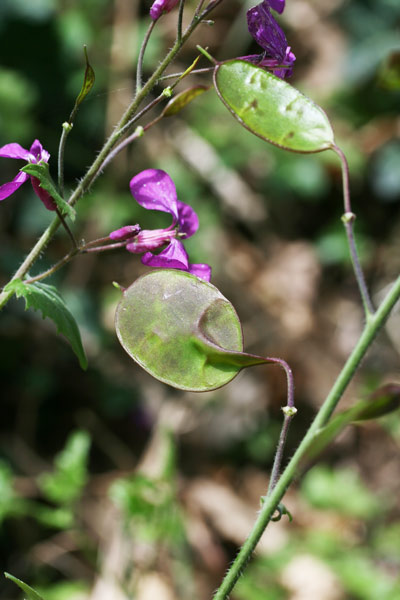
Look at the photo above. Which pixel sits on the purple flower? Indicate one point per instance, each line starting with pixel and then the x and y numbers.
pixel 267 33
pixel 154 189
pixel 34 155
pixel 161 6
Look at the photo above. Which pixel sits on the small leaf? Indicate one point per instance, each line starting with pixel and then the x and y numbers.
pixel 46 298
pixel 88 83
pixel 64 485
pixel 176 104
pixel 182 331
pixel 41 172
pixel 28 591
pixel 271 108
pixel 190 68
pixel 382 402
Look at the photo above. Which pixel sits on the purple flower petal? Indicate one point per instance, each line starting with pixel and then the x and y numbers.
pixel 188 221
pixel 150 239
pixel 266 31
pixel 201 270
pixel 160 6
pixel 14 151
pixel 43 194
pixel 154 189
pixel 173 257
pixel 277 5
pixel 37 153
pixel 9 188
pixel 288 61
pixel 125 233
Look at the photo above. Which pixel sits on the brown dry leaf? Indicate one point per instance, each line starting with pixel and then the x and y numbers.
pixel 287 286
pixel 153 586
pixel 231 516
pixel 307 578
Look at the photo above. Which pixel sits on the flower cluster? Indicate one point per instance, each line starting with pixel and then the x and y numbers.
pixel 34 155
pixel 161 6
pixel 154 190
pixel 267 33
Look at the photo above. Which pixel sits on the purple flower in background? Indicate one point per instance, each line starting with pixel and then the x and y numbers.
pixel 154 189
pixel 34 155
pixel 160 6
pixel 267 33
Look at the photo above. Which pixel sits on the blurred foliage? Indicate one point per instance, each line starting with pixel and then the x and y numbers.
pixel 49 506
pixel 65 484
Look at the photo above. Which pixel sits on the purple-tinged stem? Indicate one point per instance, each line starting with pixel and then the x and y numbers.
pixel 86 248
pixel 348 220
pixel 194 72
pixel 289 412
pixel 67 228
pixel 199 7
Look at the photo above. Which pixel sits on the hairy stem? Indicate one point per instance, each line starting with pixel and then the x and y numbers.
pixel 139 69
pixel 180 19
pixel 113 139
pixel 372 327
pixel 66 128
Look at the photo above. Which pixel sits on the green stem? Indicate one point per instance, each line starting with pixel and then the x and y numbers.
pixel 31 258
pixel 372 327
pixel 91 174
pixel 180 19
pixel 139 70
pixel 66 128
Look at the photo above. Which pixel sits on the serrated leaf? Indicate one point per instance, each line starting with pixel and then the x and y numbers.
pixel 178 102
pixel 271 108
pixel 182 330
pixel 382 402
pixel 88 83
pixel 28 591
pixel 41 172
pixel 46 298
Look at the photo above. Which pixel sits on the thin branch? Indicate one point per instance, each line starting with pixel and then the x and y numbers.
pixel 289 412
pixel 66 128
pixel 199 7
pixel 67 228
pixel 139 69
pixel 194 72
pixel 180 19
pixel 348 220
pixel 85 249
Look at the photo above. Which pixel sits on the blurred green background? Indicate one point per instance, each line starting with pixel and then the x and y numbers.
pixel 113 485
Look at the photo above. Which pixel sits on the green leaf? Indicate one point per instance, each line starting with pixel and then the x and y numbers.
pixel 176 104
pixel 41 172
pixel 88 83
pixel 28 591
pixel 340 489
pixel 65 484
pixel 182 331
pixel 46 298
pixel 271 108
pixel 383 401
